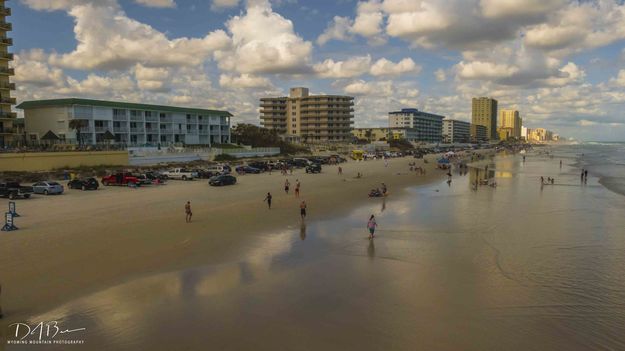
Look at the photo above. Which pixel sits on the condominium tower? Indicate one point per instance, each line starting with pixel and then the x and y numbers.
pixel 428 126
pixel 509 119
pixel 455 131
pixel 314 118
pixel 7 130
pixel 484 113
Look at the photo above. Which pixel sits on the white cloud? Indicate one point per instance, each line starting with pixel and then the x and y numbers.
pixel 31 69
pixel 223 4
pixel 353 67
pixel 619 80
pixel 361 87
pixel 485 70
pixel 339 29
pixel 244 81
pixel 54 5
pixel 384 67
pixel 264 42
pixel 157 3
pixel 518 8
pixel 369 18
pixel 152 79
pixel 440 75
pixel 108 39
pixel 586 123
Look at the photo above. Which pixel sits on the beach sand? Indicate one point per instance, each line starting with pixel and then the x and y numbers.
pixel 81 242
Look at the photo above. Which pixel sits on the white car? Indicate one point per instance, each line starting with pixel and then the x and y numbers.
pixel 180 173
pixel 48 188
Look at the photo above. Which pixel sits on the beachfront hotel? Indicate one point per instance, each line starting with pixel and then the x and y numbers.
pixel 428 126
pixel 385 134
pixel 484 113
pixel 479 133
pixel 312 118
pixel 455 131
pixel 510 123
pixel 7 117
pixel 124 123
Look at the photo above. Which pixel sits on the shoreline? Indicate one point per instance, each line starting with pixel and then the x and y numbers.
pixel 124 236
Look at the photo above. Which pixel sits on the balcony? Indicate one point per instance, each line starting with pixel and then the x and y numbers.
pixel 151 118
pixel 151 130
pixel 8 131
pixel 120 129
pixel 5 11
pixel 7 71
pixel 7 86
pixel 136 118
pixel 137 130
pixel 8 114
pixel 101 129
pixel 9 100
pixel 6 26
pixel 6 41
pixel 203 131
pixel 6 56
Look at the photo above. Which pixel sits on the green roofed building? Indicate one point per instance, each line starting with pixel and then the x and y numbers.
pixel 85 121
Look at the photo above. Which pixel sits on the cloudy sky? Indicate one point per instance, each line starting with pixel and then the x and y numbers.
pixel 560 63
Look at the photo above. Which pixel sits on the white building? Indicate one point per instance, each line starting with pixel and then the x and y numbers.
pixel 455 131
pixel 428 126
pixel 129 123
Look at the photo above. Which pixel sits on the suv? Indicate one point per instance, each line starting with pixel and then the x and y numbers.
pixel 84 184
pixel 120 178
pixel 13 190
pixel 313 168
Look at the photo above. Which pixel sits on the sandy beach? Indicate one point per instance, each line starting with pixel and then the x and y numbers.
pixel 81 242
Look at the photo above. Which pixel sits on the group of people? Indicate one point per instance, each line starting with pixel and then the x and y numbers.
pixel 550 181
pixel 418 169
pixel 584 176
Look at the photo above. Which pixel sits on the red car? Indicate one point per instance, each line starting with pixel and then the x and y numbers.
pixel 121 178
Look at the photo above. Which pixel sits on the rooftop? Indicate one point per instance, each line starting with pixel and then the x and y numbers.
pixel 116 104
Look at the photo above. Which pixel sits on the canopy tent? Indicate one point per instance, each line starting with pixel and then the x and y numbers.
pixel 108 136
pixel 50 136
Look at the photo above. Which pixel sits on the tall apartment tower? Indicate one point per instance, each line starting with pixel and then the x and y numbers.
pixel 510 119
pixel 313 118
pixel 484 113
pixel 7 130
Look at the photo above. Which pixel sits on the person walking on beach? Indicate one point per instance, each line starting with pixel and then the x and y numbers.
pixel 340 170
pixel 383 189
pixel 560 164
pixel 582 179
pixel 371 225
pixel 187 210
pixel 297 185
pixel 286 186
pixel 302 210
pixel 268 199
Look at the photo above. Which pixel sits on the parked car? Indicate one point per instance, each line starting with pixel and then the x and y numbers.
pixel 181 173
pixel 224 179
pixel 13 190
pixel 203 173
pixel 142 178
pixel 301 162
pixel 313 168
pixel 84 184
pixel 262 165
pixel 219 169
pixel 247 169
pixel 155 177
pixel 47 188
pixel 120 178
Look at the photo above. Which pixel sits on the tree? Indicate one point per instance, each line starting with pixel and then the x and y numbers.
pixel 77 125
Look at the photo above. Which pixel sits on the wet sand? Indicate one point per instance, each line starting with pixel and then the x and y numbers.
pixel 517 267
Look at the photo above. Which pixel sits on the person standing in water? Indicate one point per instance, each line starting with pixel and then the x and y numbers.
pixel 297 186
pixel 268 199
pixel 286 186
pixel 302 210
pixel 371 225
pixel 187 210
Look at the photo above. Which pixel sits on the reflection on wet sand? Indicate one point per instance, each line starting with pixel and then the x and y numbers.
pixel 449 269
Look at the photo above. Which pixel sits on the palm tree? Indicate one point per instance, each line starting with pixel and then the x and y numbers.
pixel 77 124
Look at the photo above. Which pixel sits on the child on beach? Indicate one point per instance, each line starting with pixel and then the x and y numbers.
pixel 187 210
pixel 297 185
pixel 371 225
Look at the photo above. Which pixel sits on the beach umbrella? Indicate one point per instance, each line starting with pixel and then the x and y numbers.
pixel 108 136
pixel 50 136
pixel 443 160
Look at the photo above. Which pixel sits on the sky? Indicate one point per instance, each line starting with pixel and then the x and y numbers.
pixel 560 63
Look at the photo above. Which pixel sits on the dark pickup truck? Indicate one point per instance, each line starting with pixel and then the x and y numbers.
pixel 13 190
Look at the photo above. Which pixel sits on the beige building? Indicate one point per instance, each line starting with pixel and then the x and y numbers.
pixel 314 118
pixel 539 135
pixel 484 113
pixel 385 134
pixel 479 133
pixel 7 129
pixel 510 119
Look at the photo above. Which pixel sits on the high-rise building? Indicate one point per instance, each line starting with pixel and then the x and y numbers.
pixel 429 127
pixel 315 118
pixel 455 131
pixel 484 113
pixel 510 119
pixel 7 130
pixel 124 123
pixel 479 133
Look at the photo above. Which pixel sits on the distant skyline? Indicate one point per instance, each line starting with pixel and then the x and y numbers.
pixel 560 63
